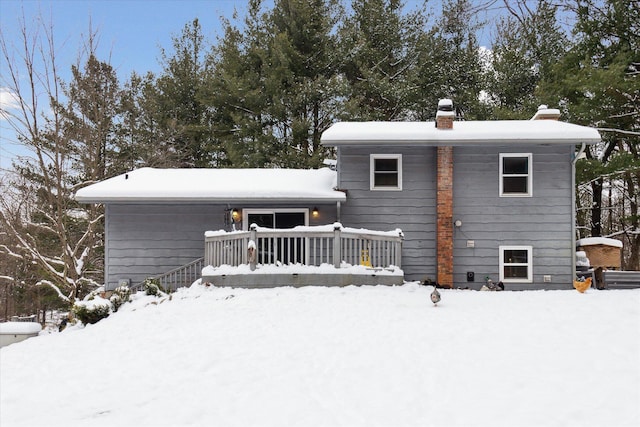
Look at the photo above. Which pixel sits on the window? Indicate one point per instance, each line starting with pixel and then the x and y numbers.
pixel 515 175
pixel 386 172
pixel 275 218
pixel 516 264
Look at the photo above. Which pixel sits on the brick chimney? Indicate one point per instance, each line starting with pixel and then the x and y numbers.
pixel 444 198
pixel 546 113
pixel 445 114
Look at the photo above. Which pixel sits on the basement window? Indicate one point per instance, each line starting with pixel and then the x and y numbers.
pixel 386 172
pixel 516 175
pixel 516 265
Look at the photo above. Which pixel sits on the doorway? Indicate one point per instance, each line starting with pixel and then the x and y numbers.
pixel 279 249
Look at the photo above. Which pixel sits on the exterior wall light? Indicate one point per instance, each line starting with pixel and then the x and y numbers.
pixel 458 223
pixel 235 215
pixel 315 212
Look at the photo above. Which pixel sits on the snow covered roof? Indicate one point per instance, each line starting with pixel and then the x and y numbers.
pixel 511 132
pixel 591 241
pixel 206 185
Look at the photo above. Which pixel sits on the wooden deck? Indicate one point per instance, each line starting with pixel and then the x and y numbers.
pixel 329 255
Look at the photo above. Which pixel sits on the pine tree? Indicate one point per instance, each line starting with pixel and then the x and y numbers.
pixel 301 76
pixel 597 85
pixel 528 42
pixel 378 44
pixel 459 61
pixel 236 93
pixel 183 115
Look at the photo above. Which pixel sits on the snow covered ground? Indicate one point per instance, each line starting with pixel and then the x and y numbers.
pixel 355 356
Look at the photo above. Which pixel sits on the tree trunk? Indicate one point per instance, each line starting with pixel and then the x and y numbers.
pixel 596 208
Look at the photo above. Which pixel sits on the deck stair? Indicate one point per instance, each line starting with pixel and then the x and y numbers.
pixel 178 277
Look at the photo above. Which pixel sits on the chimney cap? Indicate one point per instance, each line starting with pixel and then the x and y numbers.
pixel 546 113
pixel 445 105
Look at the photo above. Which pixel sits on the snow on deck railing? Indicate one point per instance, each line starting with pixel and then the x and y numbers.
pixel 314 246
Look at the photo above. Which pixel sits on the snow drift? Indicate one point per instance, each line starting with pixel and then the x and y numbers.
pixel 354 356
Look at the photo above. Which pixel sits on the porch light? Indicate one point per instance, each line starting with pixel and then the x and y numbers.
pixel 315 212
pixel 235 214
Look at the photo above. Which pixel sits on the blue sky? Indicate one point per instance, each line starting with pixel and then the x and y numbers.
pixel 131 31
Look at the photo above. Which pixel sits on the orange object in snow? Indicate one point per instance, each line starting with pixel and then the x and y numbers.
pixel 582 286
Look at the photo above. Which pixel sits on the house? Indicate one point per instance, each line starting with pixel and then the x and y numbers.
pixel 474 199
pixel 156 219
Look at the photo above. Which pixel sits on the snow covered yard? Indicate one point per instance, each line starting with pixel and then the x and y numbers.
pixel 355 356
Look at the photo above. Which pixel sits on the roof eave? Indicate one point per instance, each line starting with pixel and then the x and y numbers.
pixel 203 200
pixel 462 142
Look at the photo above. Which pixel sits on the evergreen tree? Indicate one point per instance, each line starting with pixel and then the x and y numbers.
pixel 379 47
pixel 236 93
pixel 183 116
pixel 528 42
pixel 459 61
pixel 597 85
pixel 273 88
pixel 301 76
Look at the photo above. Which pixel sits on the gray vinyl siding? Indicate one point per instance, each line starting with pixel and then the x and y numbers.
pixel 144 240
pixel 148 239
pixel 413 209
pixel 542 221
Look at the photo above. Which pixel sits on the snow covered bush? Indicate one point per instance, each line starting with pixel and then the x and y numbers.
pixel 120 295
pixel 92 310
pixel 152 287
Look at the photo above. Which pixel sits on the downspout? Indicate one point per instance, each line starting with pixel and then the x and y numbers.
pixel 338 211
pixel 574 207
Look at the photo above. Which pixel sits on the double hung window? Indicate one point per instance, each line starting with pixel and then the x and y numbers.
pixel 386 172
pixel 516 264
pixel 516 175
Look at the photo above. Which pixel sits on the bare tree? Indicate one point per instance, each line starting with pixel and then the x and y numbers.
pixel 43 221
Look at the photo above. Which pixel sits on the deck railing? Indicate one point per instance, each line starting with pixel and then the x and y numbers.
pixel 178 277
pixel 332 244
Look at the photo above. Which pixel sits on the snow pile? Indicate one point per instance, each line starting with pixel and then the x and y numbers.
pixel 20 328
pixel 582 260
pixel 354 356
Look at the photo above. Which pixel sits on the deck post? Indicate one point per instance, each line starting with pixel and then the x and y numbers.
pixel 252 250
pixel 337 244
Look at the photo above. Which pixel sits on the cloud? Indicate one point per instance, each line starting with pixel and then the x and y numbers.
pixel 8 99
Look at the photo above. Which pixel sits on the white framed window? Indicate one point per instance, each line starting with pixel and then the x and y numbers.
pixel 516 175
pixel 386 172
pixel 516 264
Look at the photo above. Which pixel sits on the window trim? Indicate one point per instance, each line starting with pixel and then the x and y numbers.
pixel 372 159
pixel 529 174
pixel 528 264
